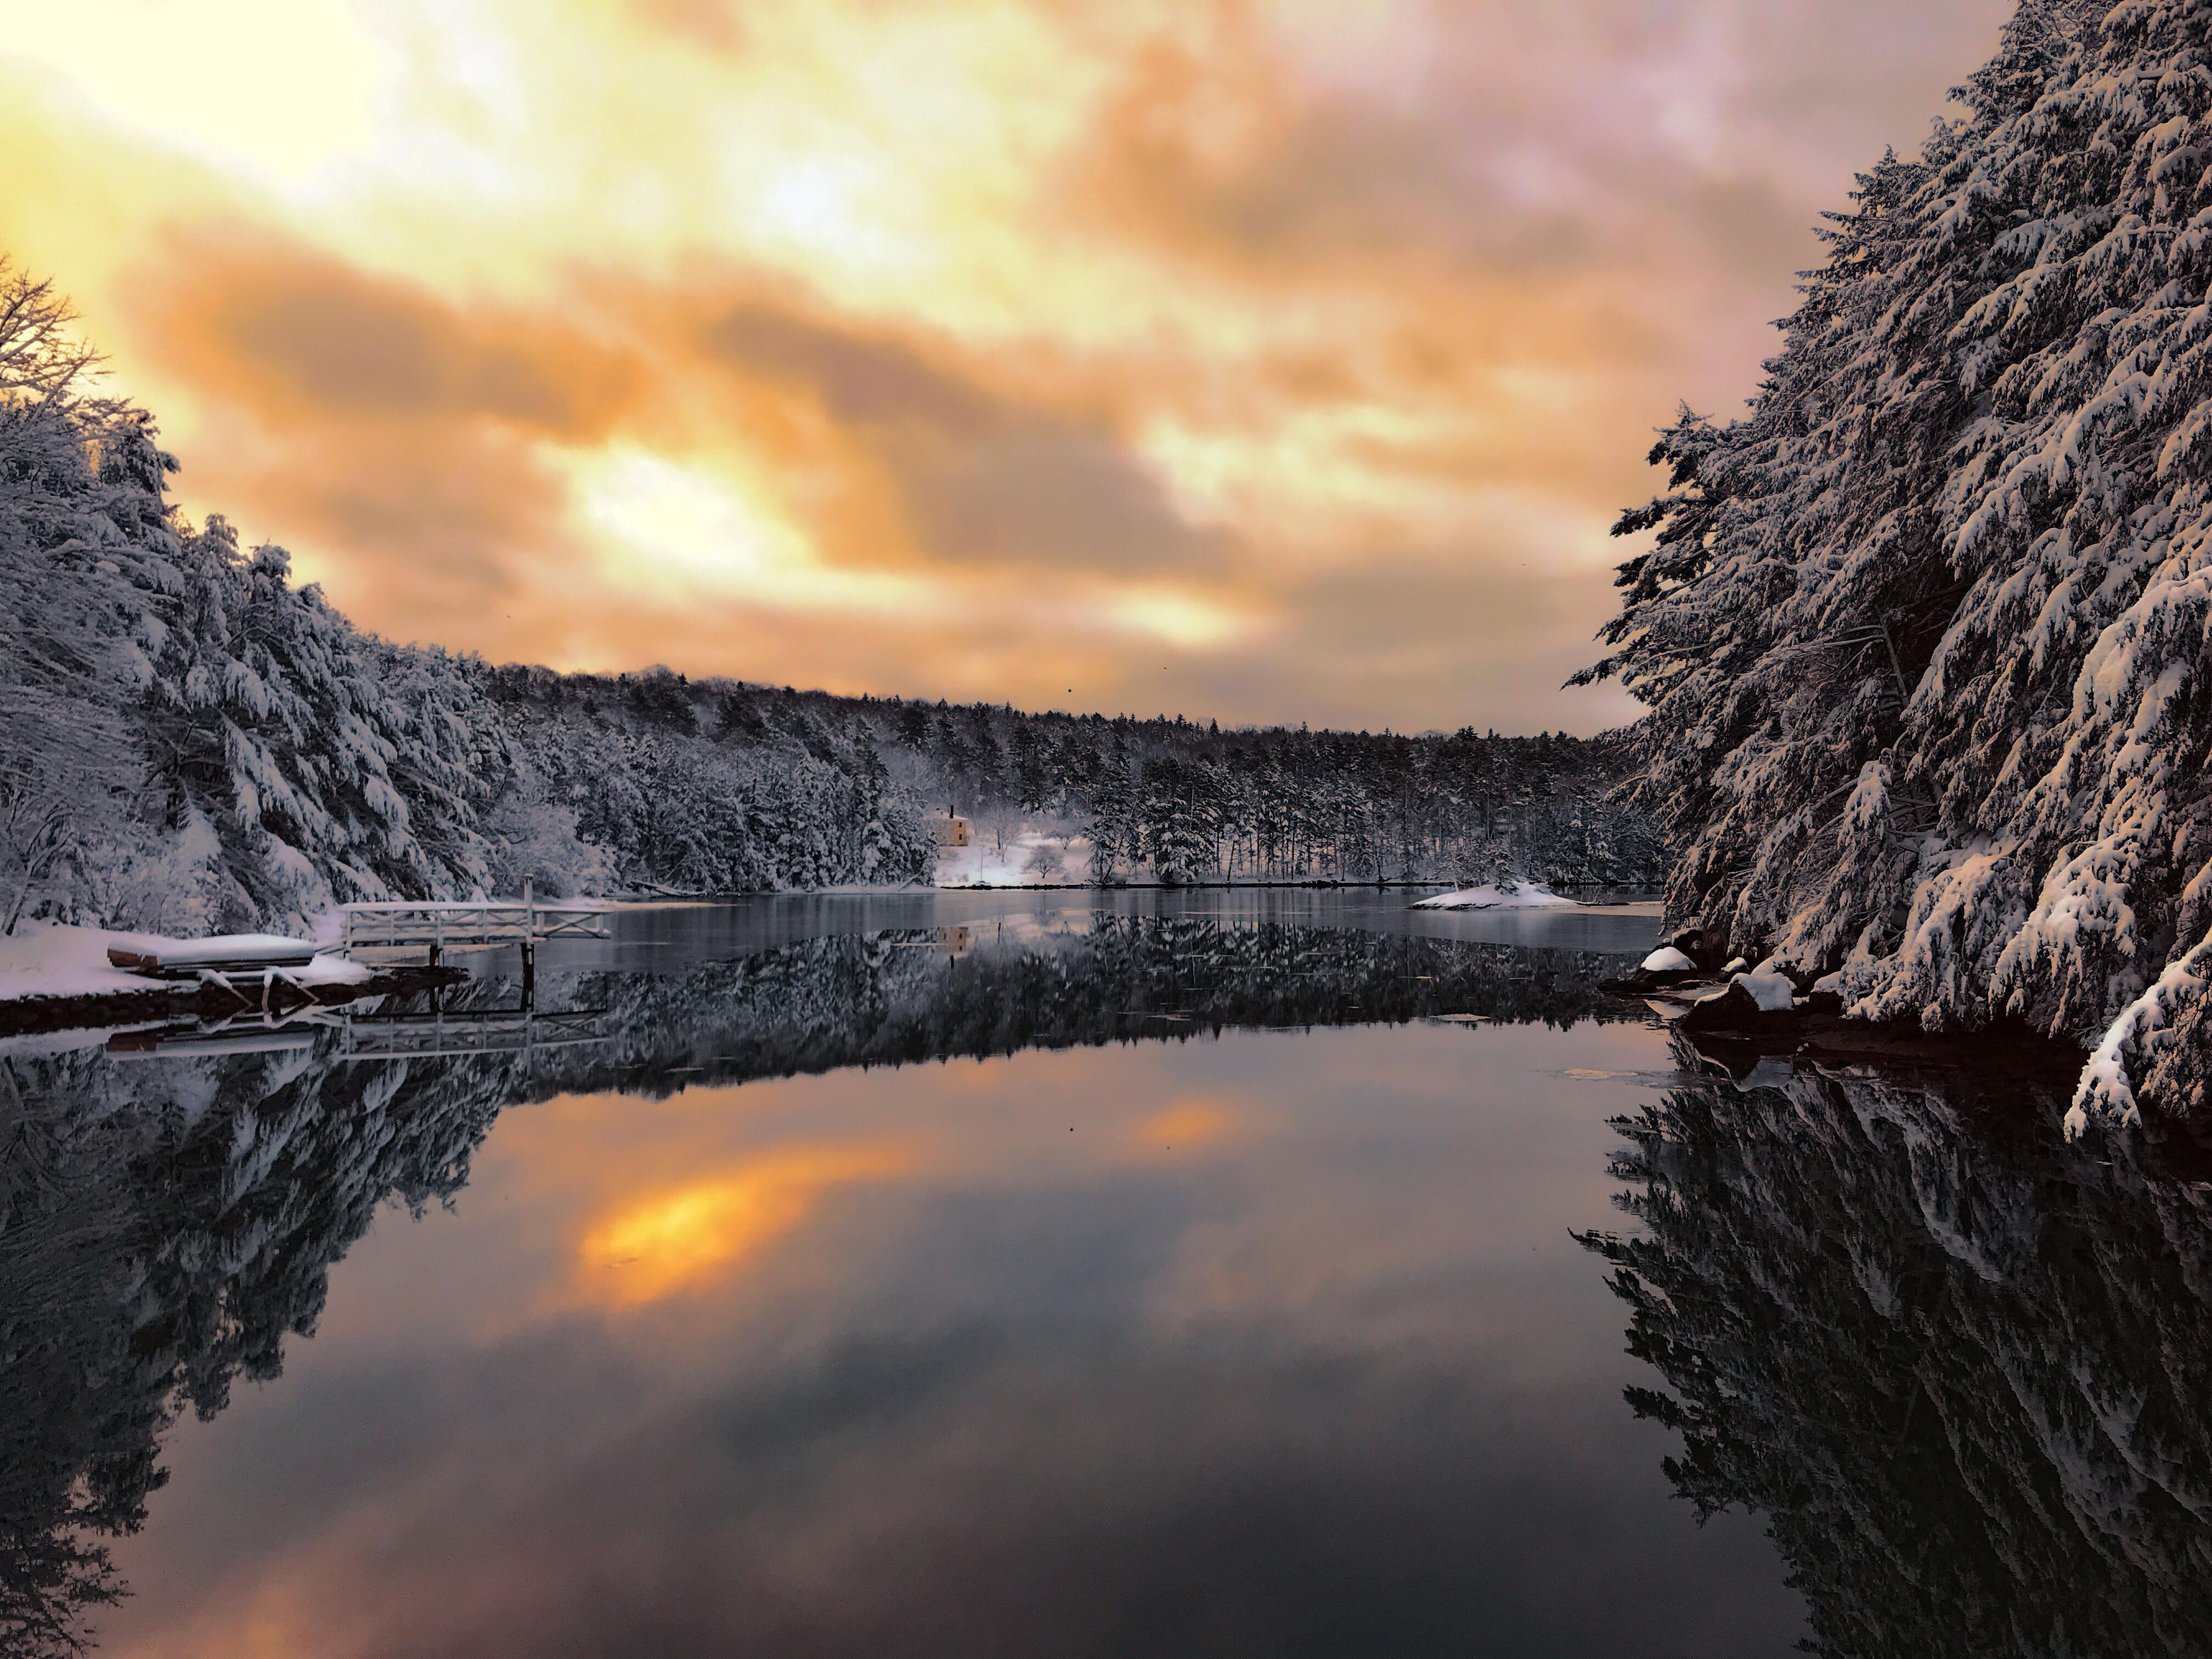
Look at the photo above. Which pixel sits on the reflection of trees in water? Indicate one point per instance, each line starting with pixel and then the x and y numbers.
pixel 898 997
pixel 165 1224
pixel 1969 1381
pixel 162 1227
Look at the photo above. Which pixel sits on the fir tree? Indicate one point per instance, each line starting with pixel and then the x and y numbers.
pixel 1923 634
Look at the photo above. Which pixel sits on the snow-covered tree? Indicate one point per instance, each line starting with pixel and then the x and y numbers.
pixel 193 741
pixel 1924 634
pixel 84 559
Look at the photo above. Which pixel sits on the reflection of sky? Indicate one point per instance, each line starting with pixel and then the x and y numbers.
pixel 1275 1344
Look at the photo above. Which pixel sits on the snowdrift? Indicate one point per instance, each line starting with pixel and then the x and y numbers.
pixel 1499 895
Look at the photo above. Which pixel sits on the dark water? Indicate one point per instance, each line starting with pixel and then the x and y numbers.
pixel 1273 1274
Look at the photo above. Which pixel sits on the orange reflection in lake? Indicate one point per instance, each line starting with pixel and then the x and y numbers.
pixel 666 1242
pixel 1187 1125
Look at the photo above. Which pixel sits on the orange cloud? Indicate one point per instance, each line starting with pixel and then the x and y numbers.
pixel 1251 359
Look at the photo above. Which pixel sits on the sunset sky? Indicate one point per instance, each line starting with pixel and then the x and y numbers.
pixel 1267 361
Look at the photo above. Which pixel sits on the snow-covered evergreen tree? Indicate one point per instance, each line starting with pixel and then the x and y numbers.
pixel 84 552
pixel 274 721
pixel 1924 634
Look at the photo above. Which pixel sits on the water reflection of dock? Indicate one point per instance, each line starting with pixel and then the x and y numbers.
pixel 956 941
pixel 446 1034
pixel 435 1033
pixel 247 1034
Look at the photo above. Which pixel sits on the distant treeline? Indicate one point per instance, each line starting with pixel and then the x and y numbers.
pixel 1167 798
pixel 191 742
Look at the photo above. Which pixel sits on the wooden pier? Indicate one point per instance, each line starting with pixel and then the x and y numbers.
pixel 438 927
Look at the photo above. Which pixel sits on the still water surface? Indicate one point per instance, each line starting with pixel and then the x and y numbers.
pixel 999 1274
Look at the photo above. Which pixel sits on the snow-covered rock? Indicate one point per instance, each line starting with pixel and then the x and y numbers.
pixel 1667 960
pixel 1773 993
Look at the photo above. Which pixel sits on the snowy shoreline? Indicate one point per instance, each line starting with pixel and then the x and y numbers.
pixel 57 977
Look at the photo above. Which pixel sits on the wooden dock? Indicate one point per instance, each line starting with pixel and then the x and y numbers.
pixel 438 927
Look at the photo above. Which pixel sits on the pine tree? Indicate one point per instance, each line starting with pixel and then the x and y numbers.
pixel 1922 633
pixel 1113 829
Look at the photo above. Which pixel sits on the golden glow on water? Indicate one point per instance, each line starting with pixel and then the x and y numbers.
pixel 708 1349
pixel 663 1244
pixel 1189 1125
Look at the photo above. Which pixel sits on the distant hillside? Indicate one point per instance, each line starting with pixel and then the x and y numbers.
pixel 1092 797
pixel 192 741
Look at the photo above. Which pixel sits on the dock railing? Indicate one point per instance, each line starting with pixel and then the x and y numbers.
pixel 438 927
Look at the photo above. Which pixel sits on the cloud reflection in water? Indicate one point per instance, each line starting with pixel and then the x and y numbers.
pixel 1248 1341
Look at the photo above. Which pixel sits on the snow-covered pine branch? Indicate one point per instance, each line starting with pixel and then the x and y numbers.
pixel 1925 634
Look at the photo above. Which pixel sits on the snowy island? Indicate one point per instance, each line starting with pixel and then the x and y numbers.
pixel 1505 893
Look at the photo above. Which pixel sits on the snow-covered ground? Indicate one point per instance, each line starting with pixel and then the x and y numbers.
pixel 1028 858
pixel 1502 896
pixel 43 959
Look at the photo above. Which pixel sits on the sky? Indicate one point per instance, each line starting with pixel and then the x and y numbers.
pixel 1266 360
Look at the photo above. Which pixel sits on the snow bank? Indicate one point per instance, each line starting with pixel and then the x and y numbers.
pixel 332 970
pixel 48 960
pixel 1028 858
pixel 44 959
pixel 1502 896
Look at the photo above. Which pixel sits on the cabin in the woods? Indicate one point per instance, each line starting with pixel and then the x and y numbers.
pixel 951 831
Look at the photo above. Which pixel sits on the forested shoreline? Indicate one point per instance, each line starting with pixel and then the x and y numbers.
pixel 196 744
pixel 1162 799
pixel 1924 635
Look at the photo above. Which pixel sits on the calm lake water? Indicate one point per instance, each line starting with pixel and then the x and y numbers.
pixel 1269 1274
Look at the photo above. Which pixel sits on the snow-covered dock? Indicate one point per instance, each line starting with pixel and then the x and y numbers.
pixel 438 927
